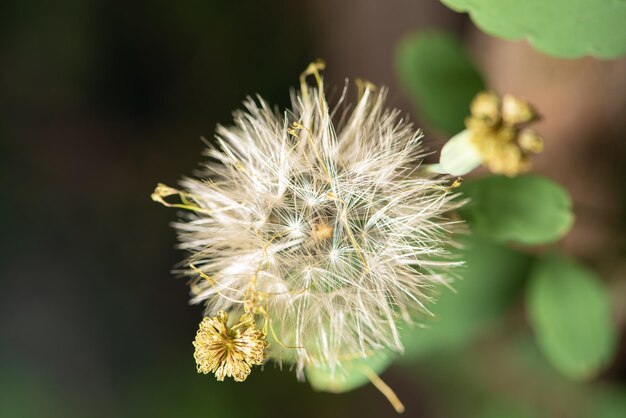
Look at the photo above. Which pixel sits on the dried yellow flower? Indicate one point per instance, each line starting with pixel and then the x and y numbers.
pixel 485 108
pixel 516 111
pixel 229 351
pixel 497 134
pixel 529 141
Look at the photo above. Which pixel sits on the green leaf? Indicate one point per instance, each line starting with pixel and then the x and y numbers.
pixel 353 374
pixel 439 77
pixel 526 209
pixel 569 310
pixel 488 283
pixel 563 28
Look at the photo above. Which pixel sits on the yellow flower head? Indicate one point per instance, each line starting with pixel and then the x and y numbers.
pixel 229 351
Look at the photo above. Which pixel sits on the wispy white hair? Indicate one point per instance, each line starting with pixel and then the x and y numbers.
pixel 326 219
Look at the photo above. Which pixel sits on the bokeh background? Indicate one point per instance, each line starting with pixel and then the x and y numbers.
pixel 102 99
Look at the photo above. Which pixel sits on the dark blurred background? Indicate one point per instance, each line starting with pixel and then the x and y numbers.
pixel 100 100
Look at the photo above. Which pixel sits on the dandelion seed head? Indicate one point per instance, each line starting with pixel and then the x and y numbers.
pixel 321 221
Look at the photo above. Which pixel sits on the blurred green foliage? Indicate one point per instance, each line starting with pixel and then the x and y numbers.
pixel 608 402
pixel 485 291
pixel 353 375
pixel 439 77
pixel 527 209
pixel 564 28
pixel 27 392
pixel 569 309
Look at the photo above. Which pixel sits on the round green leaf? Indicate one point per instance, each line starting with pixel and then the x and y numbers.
pixel 438 75
pixel 488 283
pixel 569 310
pixel 352 374
pixel 564 28
pixel 526 209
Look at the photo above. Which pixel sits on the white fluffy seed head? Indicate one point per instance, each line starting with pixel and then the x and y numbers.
pixel 326 219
